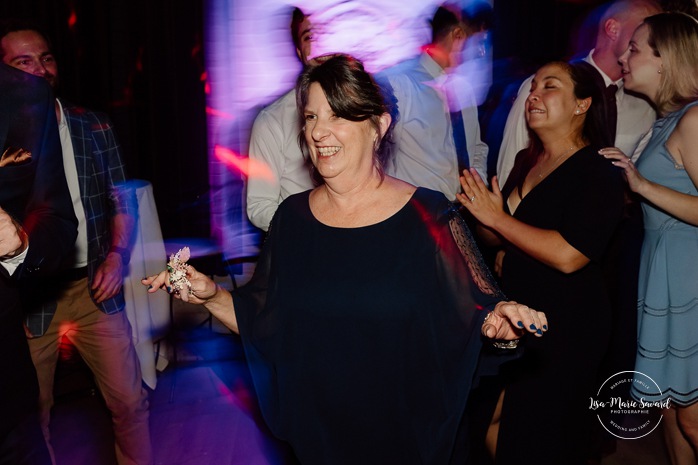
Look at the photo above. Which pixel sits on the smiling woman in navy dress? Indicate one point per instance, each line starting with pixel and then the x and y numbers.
pixel 364 319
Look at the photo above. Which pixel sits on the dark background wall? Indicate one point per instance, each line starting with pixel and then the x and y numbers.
pixel 142 62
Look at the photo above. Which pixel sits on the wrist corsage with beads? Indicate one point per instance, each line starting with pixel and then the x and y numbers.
pixel 177 267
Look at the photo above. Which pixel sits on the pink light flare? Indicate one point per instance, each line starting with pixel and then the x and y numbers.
pixel 248 167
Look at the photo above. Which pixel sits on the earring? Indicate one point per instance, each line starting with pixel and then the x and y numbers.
pixel 576 112
pixel 659 71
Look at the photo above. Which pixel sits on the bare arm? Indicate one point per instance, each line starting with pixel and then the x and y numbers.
pixel 204 291
pixel 546 246
pixel 683 145
pixel 489 236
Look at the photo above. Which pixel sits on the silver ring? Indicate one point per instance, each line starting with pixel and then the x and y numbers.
pixel 472 199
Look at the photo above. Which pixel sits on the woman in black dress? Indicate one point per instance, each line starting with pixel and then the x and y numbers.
pixel 555 218
pixel 362 324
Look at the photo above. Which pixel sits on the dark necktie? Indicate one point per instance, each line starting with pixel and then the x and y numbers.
pixel 460 141
pixel 611 109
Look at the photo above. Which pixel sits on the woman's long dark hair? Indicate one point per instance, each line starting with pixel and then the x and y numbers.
pixel 595 130
pixel 353 94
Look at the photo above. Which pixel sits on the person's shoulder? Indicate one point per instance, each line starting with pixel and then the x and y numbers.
pixel 73 111
pixel 588 156
pixel 689 119
pixel 401 70
pixel 293 207
pixel 686 131
pixel 432 202
pixel 279 110
pixel 593 168
pixel 294 201
pixel 284 103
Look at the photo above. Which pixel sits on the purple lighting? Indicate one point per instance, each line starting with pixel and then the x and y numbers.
pixel 251 61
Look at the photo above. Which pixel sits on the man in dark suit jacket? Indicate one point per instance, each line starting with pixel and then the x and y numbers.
pixel 37 229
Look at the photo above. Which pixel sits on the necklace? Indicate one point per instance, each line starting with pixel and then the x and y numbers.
pixel 556 161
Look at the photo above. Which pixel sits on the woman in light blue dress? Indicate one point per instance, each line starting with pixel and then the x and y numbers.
pixel 662 64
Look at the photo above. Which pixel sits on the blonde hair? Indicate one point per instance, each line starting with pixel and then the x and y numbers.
pixel 674 38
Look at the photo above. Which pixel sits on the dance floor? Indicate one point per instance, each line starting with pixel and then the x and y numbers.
pixel 203 411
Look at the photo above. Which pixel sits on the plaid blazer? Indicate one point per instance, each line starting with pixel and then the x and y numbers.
pixel 103 192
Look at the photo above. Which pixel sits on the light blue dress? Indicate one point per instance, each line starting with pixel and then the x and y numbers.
pixel 668 285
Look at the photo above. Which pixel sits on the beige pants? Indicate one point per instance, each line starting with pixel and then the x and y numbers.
pixel 104 342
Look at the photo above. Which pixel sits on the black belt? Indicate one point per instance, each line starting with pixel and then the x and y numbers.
pixel 74 274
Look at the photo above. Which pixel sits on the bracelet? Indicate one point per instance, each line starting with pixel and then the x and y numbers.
pixel 513 344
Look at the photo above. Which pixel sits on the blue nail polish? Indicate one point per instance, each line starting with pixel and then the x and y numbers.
pixel 150 287
pixel 520 324
pixel 539 332
pixel 545 327
pixel 533 327
pixel 169 290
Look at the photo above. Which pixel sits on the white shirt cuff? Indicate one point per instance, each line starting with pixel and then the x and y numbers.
pixel 11 264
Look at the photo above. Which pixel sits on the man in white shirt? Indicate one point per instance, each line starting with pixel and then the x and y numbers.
pixel 635 115
pixel 274 143
pixel 425 151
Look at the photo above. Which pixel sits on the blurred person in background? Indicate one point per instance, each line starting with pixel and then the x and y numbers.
pixel 274 143
pixel 37 230
pixel 634 114
pixel 438 132
pixel 85 302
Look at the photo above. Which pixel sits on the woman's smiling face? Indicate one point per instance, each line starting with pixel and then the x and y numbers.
pixel 551 102
pixel 337 146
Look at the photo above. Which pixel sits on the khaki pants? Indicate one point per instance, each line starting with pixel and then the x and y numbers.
pixel 104 342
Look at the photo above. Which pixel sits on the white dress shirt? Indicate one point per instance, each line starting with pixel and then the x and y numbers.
pixel 277 166
pixel 79 258
pixel 11 264
pixel 424 153
pixel 635 119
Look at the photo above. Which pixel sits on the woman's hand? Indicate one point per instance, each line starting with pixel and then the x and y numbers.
pixel 510 320
pixel 202 287
pixel 634 178
pixel 485 205
pixel 202 291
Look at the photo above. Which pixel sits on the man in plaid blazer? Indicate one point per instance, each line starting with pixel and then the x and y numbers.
pixel 85 305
